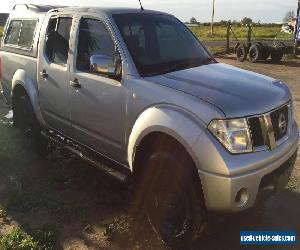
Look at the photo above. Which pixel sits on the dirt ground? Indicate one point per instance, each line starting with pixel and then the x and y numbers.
pixel 61 203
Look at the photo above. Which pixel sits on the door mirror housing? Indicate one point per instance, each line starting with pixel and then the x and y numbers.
pixel 102 64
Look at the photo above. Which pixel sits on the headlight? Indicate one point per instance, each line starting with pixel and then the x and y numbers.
pixel 233 134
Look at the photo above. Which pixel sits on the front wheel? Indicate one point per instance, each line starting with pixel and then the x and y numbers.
pixel 173 200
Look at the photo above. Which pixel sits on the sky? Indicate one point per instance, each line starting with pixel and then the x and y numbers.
pixel 258 10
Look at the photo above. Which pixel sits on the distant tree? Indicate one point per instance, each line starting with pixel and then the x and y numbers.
pixel 236 23
pixel 246 21
pixel 289 16
pixel 223 23
pixel 193 20
pixel 258 23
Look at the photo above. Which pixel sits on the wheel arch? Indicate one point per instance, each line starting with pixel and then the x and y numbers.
pixel 146 146
pixel 163 122
pixel 22 81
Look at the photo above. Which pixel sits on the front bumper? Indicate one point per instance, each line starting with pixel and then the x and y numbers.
pixel 260 169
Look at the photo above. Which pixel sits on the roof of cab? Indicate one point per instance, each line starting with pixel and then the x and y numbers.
pixel 34 7
pixel 46 8
pixel 28 10
pixel 107 10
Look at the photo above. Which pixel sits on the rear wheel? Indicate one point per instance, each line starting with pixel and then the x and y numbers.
pixel 172 196
pixel 265 52
pixel 276 55
pixel 265 55
pixel 254 53
pixel 26 121
pixel 241 53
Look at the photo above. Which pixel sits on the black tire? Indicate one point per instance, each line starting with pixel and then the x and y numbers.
pixel 172 197
pixel 241 53
pixel 254 53
pixel 276 55
pixel 265 54
pixel 282 44
pixel 26 121
pixel 235 47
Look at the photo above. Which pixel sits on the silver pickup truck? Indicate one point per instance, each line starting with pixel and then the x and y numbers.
pixel 137 89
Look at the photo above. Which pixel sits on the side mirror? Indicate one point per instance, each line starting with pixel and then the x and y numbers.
pixel 102 64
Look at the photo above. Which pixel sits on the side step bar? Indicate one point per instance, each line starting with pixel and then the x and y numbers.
pixel 101 164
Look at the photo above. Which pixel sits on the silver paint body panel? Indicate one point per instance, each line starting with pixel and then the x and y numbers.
pixel 113 117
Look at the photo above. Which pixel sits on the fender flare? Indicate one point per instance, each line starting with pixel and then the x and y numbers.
pixel 21 78
pixel 180 124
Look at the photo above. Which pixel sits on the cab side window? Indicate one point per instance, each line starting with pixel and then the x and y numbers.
pixel 27 33
pixel 94 39
pixel 21 33
pixel 58 38
pixel 13 32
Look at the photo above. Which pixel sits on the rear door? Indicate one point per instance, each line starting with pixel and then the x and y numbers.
pixel 53 72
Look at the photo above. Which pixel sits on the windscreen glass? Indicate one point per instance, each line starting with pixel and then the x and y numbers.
pixel 160 43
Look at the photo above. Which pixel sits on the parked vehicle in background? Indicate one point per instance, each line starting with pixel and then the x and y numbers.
pixel 286 28
pixel 256 50
pixel 135 88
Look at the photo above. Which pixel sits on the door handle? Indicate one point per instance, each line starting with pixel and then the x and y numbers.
pixel 75 84
pixel 44 74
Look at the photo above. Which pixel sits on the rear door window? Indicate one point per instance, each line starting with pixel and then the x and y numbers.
pixel 13 32
pixel 27 33
pixel 58 37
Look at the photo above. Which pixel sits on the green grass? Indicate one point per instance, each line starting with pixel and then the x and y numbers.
pixel 1 31
pixel 18 239
pixel 216 49
pixel 29 188
pixel 262 33
pixel 38 195
pixel 14 161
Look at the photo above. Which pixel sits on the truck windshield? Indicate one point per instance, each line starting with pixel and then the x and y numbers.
pixel 160 44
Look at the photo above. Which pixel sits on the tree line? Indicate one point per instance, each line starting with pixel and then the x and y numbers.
pixel 244 22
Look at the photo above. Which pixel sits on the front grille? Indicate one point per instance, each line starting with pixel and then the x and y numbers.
pixel 275 117
pixel 261 127
pixel 256 132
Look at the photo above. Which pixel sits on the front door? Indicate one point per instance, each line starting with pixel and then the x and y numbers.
pixel 53 73
pixel 98 102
